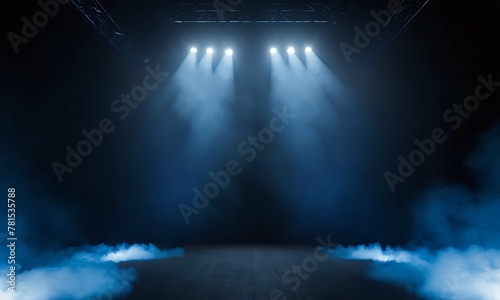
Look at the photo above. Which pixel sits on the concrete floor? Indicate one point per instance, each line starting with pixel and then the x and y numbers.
pixel 254 272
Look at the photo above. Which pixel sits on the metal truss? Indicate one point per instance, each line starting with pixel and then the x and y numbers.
pixel 239 11
pixel 403 15
pixel 102 22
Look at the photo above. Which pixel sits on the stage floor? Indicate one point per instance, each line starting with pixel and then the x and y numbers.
pixel 253 272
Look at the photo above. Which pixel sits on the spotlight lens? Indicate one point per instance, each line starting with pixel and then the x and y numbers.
pixel 229 52
pixel 309 49
pixel 210 50
pixel 194 50
pixel 273 50
pixel 290 50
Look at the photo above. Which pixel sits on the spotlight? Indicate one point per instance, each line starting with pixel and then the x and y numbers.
pixel 210 50
pixel 194 50
pixel 308 49
pixel 229 52
pixel 273 50
pixel 290 50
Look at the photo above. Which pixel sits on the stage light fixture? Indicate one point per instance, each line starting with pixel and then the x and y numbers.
pixel 290 50
pixel 308 49
pixel 229 52
pixel 210 50
pixel 273 50
pixel 194 50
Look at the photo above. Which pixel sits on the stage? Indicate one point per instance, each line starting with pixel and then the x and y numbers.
pixel 256 272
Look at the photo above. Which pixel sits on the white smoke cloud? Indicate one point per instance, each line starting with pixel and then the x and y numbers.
pixel 471 274
pixel 461 226
pixel 89 273
pixel 376 253
pixel 126 252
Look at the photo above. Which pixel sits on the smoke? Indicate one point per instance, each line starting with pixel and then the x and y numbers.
pixel 125 252
pixel 314 157
pixel 456 250
pixel 451 273
pixel 203 97
pixel 89 272
pixel 376 253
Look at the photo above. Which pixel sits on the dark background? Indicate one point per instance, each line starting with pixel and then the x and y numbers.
pixel 129 188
